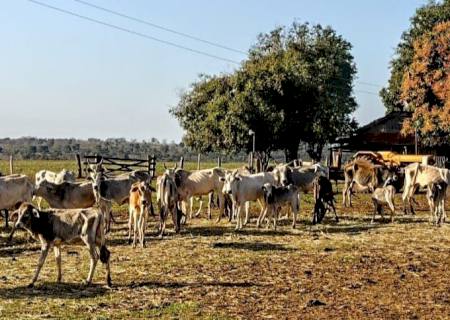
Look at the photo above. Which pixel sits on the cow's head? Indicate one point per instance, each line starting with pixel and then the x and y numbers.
pixel 230 181
pixel 282 173
pixel 95 168
pixel 27 217
pixel 268 192
pixel 144 190
pixel 97 179
pixel 44 187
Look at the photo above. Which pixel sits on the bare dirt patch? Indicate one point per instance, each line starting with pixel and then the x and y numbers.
pixel 350 269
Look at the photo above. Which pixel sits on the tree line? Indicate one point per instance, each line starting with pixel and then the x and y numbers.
pixel 31 148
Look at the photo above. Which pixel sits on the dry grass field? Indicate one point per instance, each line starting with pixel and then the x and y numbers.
pixel 346 270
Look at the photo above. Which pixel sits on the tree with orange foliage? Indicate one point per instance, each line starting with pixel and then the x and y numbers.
pixel 426 88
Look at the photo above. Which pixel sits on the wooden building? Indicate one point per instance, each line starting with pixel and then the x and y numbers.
pixel 381 134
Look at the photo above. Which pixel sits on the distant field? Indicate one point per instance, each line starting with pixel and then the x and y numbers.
pixel 346 270
pixel 30 167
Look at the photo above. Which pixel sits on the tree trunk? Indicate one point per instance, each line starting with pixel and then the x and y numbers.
pixel 315 152
pixel 291 153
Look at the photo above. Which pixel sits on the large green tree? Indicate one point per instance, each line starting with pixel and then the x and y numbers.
pixel 422 22
pixel 296 86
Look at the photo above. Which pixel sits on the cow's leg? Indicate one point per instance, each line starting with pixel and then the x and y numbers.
pixel 391 205
pixel 247 210
pixel 238 216
pixel 294 208
pixel 431 205
pixel 130 223
pixel 375 210
pixel 261 216
pixel 142 226
pixel 221 204
pixel 57 251
pixel 275 213
pixel 136 225
pixel 344 193
pixel 6 218
pixel 331 205
pixel 211 204
pixel 162 222
pixel 45 247
pixel 93 262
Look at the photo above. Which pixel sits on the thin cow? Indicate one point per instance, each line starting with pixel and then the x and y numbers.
pixel 54 227
pixel 275 197
pixel 66 195
pixel 14 189
pixel 140 201
pixel 54 177
pixel 420 175
pixel 365 175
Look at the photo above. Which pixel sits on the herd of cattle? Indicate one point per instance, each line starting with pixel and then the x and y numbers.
pixel 83 210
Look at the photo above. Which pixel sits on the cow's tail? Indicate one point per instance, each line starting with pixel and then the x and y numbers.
pixel 413 181
pixel 104 252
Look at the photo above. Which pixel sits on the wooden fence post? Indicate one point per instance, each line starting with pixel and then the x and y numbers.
pixel 11 165
pixel 153 166
pixel 198 161
pixel 219 161
pixel 182 162
pixel 80 171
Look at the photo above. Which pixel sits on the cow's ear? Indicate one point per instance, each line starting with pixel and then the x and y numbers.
pixel 35 213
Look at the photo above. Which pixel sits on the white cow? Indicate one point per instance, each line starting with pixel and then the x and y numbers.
pixel 420 175
pixel 199 183
pixel 54 177
pixel 14 190
pixel 245 188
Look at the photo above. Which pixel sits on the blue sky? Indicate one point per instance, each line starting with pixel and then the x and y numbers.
pixel 65 77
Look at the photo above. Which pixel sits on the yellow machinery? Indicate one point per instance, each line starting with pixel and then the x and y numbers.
pixel 389 157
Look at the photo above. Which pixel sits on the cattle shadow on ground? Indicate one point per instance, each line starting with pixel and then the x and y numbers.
pixel 398 218
pixel 352 230
pixel 251 246
pixel 55 290
pixel 12 251
pixel 184 284
pixel 226 230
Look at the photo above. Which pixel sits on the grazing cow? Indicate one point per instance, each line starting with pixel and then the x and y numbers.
pixel 14 189
pixel 66 195
pixel 53 227
pixel 167 195
pixel 436 192
pixel 364 175
pixel 198 183
pixel 140 201
pixel 420 175
pixel 245 188
pixel 54 177
pixel 324 199
pixel 275 197
pixel 384 195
